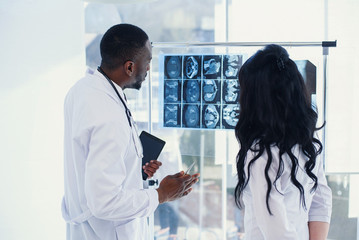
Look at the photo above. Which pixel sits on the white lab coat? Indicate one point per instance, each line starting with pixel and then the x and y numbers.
pixel 289 220
pixel 104 196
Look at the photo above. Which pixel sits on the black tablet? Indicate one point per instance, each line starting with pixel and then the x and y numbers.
pixel 152 147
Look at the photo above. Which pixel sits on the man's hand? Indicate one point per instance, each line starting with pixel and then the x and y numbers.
pixel 175 186
pixel 151 167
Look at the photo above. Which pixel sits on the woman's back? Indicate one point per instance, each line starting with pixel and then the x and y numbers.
pixel 289 219
pixel 280 173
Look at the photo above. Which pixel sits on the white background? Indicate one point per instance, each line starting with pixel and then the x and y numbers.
pixel 42 55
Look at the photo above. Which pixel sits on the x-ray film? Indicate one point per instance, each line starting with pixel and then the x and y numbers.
pixel 230 115
pixel 172 90
pixel 200 91
pixel 173 67
pixel 231 66
pixel 191 115
pixel 211 116
pixel 211 91
pixel 212 66
pixel 230 91
pixel 172 115
pixel 191 91
pixel 192 67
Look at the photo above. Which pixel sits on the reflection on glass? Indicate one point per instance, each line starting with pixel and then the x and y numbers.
pixel 344 221
pixel 204 217
pixel 309 73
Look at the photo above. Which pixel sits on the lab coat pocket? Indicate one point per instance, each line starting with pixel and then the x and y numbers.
pixel 130 230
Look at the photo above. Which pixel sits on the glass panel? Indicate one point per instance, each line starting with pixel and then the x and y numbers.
pixel 201 214
pixel 344 223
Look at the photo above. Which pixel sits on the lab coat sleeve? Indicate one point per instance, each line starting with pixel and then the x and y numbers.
pixel 321 207
pixel 276 226
pixel 105 172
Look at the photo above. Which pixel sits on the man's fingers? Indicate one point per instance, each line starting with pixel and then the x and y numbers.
pixel 196 175
pixel 149 175
pixel 150 168
pixel 179 174
pixel 187 192
pixel 189 184
pixel 155 162
pixel 193 181
pixel 152 165
pixel 149 172
pixel 186 179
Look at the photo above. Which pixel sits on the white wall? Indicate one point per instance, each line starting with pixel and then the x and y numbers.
pixel 41 55
pixel 343 85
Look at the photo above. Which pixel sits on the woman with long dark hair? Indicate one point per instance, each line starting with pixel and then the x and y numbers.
pixel 281 181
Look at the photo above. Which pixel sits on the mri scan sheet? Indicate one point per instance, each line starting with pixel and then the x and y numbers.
pixel 200 91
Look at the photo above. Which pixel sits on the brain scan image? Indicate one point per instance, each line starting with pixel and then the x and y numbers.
pixel 210 116
pixel 172 116
pixel 191 91
pixel 172 91
pixel 231 91
pixel 191 115
pixel 230 115
pixel 192 67
pixel 231 72
pixel 200 91
pixel 212 67
pixel 211 90
pixel 173 67
pixel 231 66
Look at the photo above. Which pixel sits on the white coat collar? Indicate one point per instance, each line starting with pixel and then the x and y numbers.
pixel 109 88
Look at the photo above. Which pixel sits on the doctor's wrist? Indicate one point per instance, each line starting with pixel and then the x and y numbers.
pixel 161 195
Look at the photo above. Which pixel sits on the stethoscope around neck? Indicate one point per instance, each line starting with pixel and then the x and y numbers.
pixel 128 112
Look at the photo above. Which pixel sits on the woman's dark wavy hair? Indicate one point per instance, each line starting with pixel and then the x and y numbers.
pixel 275 111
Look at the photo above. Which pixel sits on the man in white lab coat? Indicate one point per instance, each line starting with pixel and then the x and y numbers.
pixel 104 195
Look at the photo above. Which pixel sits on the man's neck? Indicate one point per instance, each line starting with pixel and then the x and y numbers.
pixel 114 75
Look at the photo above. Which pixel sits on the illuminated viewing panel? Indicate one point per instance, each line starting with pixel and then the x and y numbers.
pixel 200 91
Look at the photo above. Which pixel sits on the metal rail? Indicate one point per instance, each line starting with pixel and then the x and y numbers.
pixel 242 44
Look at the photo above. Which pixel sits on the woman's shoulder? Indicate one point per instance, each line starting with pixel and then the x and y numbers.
pixel 259 158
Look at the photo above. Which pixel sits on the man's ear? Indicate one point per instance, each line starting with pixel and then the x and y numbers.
pixel 129 68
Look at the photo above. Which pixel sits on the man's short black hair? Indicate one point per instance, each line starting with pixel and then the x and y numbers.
pixel 121 43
